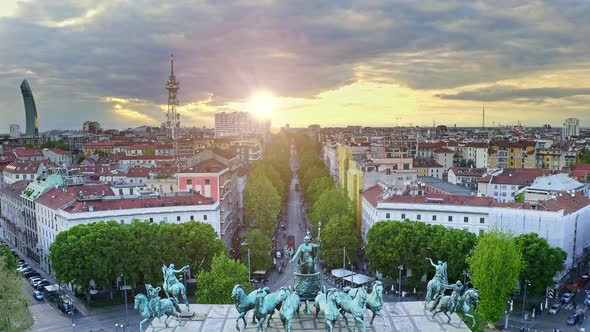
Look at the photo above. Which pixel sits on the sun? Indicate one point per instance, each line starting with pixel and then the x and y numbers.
pixel 262 103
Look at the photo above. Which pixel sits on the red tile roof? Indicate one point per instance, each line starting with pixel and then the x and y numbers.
pixel 443 150
pixel 21 153
pixel 468 171
pixel 124 204
pixel 516 176
pixel 430 145
pixel 206 166
pixel 566 202
pixel 138 172
pixel 56 198
pixel 374 195
pixel 16 188
pixel 146 158
pixel 59 151
pixel 23 167
pixel 477 145
pixel 105 143
pixel 142 147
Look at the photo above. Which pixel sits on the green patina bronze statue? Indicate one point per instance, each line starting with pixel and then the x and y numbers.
pixel 307 261
pixel 307 281
pixel 172 286
pixel 152 306
pixel 436 286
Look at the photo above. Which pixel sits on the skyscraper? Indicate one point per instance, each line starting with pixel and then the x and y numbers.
pixel 239 123
pixel 30 110
pixel 571 127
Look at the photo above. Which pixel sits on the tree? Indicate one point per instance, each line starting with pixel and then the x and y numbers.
pixel 261 203
pixel 10 262
pixel 319 185
pixel 80 159
pixel 316 172
pixel 260 247
pixel 586 157
pixel 14 314
pixel 262 168
pixel 494 268
pixel 336 235
pixel 216 285
pixel 332 202
pixel 541 262
pixel 29 146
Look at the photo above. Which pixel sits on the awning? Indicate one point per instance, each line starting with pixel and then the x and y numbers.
pixel 359 279
pixel 340 273
pixel 52 288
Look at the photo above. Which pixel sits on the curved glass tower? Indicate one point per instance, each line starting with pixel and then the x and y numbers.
pixel 30 110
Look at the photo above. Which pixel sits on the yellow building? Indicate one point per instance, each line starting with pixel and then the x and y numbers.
pixel 552 159
pixel 506 154
pixel 350 179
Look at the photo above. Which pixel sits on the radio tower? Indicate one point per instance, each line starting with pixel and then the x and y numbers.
pixel 173 118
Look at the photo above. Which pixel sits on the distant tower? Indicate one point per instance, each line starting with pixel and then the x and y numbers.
pixel 30 110
pixel 571 127
pixel 173 118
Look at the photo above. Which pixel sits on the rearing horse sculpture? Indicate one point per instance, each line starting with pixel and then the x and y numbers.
pixel 469 299
pixel 244 303
pixel 375 301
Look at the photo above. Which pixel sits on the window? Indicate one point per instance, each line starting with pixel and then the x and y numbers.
pixel 400 178
pixel 466 219
pixel 403 216
pixel 503 194
pixel 408 178
pixel 466 229
pixel 189 182
pixel 481 220
pixel 418 217
pixel 207 181
pixel 121 192
pixel 481 232
pixel 205 217
pixel 387 216
pixel 177 218
pixel 122 221
pixel 192 218
pixel 406 166
pixel 151 219
pixel 433 218
pixel 495 193
pixel 450 218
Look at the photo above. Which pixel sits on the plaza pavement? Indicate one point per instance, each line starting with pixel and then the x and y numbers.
pixel 404 316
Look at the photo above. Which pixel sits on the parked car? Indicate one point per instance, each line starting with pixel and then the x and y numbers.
pixel 38 295
pixel 566 298
pixel 573 319
pixel 31 273
pixel 24 268
pixel 34 280
pixel 587 300
pixel 34 284
pixel 41 284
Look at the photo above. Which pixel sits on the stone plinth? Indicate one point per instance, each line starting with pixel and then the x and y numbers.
pixel 407 316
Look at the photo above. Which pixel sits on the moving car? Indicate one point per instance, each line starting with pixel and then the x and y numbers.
pixel 555 308
pixel 38 295
pixel 573 319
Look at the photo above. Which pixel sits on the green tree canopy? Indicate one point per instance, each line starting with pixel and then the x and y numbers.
pixel 260 247
pixel 216 285
pixel 14 314
pixel 541 262
pixel 262 168
pixel 316 172
pixel 332 202
pixel 261 204
pixel 495 265
pixel 338 234
pixel 10 262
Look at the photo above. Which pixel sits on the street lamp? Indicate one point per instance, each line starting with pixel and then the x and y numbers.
pixel 125 290
pixel 401 268
pixel 465 274
pixel 526 283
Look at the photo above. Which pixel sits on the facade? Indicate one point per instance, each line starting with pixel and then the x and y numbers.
pixel 506 154
pixel 466 176
pixel 22 170
pixel 91 127
pixel 503 184
pixel 58 157
pixel 474 153
pixel 313 131
pixel 105 147
pixel 559 220
pixel 571 127
pixel 428 167
pixel 545 187
pixel 30 109
pixel 13 219
pixel 236 124
pixel 216 180
pixel 28 155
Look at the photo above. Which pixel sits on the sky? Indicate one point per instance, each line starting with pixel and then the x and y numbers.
pixel 333 63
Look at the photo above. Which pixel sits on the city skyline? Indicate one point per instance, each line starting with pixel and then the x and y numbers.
pixel 330 64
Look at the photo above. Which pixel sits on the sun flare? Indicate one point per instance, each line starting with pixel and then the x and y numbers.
pixel 262 103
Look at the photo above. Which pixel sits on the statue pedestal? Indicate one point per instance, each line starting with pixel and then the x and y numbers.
pixel 186 314
pixel 307 286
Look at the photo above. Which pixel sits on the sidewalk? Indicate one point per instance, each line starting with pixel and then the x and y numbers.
pixel 79 304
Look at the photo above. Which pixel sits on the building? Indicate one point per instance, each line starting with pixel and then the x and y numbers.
pixel 559 220
pixel 507 154
pixel 106 148
pixel 28 154
pixel 551 159
pixel 503 184
pixel 545 187
pixel 14 131
pixel 22 170
pixel 30 110
pixel 313 131
pixel 76 142
pixel 466 176
pixel 235 124
pixel 59 210
pixel 428 167
pixel 91 127
pixel 13 217
pixel 431 185
pixel 571 127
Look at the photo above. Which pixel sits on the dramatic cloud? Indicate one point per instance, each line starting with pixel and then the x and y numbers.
pixel 77 54
pixel 506 92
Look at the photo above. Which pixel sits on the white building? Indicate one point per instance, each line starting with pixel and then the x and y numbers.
pixel 60 210
pixel 559 220
pixel 14 131
pixel 235 124
pixel 571 127
pixel 22 170
pixel 58 157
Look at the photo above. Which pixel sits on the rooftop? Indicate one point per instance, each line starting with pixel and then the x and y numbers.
pixel 557 182
pixel 447 187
